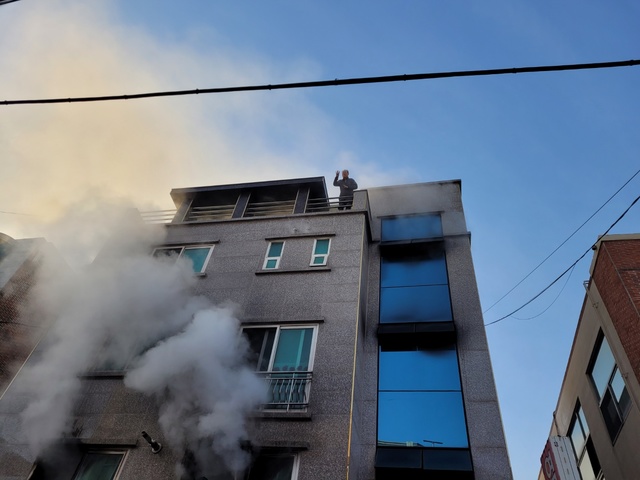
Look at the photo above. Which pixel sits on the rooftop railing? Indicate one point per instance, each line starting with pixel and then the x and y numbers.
pixel 257 209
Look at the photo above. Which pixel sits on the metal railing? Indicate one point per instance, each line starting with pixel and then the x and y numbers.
pixel 210 212
pixel 287 390
pixel 329 204
pixel 158 216
pixel 267 209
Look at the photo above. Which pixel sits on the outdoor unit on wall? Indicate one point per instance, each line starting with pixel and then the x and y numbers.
pixel 558 460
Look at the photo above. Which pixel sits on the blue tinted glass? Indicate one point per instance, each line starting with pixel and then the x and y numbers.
pixel 422 418
pixel 433 369
pixel 322 246
pixel 407 228
pixel 603 368
pixel 275 249
pixel 197 256
pixel 396 272
pixel 294 349
pixel 415 304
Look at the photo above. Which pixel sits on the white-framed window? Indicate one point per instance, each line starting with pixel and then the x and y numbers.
pixel 197 255
pixel 320 255
pixel 100 465
pixel 283 356
pixel 273 256
pixel 274 466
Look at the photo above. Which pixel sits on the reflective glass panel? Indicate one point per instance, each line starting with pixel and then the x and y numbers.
pixel 293 350
pixel 603 367
pixel 275 249
pixel 319 260
pixel 397 272
pixel 322 246
pixel 197 256
pixel 577 435
pixel 433 419
pixel 98 466
pixel 586 470
pixel 271 264
pixel 408 228
pixel 433 369
pixel 415 304
pixel 261 345
pixel 617 384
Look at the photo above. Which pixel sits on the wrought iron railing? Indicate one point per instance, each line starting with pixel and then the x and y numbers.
pixel 287 390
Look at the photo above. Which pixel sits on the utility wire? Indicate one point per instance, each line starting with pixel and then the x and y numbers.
pixel 567 270
pixel 566 282
pixel 331 83
pixel 567 239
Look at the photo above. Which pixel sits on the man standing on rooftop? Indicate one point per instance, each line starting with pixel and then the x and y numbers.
pixel 347 186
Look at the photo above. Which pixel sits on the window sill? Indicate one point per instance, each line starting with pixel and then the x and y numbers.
pixel 304 415
pixel 304 270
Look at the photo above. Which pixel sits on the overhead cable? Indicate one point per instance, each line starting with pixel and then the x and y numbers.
pixel 567 270
pixel 331 83
pixel 566 240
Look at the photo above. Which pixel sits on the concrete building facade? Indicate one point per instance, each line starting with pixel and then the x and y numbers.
pixel 364 322
pixel 598 406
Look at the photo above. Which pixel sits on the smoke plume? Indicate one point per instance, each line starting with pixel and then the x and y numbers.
pixel 129 309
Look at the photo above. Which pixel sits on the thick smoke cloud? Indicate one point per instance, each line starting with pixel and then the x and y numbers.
pixel 129 308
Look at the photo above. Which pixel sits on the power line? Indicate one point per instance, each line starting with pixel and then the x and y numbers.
pixel 333 83
pixel 567 270
pixel 566 240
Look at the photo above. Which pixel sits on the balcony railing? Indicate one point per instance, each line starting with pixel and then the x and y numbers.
pixel 268 209
pixel 257 209
pixel 287 390
pixel 211 212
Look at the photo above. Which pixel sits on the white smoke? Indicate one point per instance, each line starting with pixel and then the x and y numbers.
pixel 128 307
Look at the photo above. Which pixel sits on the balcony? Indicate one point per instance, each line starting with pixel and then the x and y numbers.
pixel 287 390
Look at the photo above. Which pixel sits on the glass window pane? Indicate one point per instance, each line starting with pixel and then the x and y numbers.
pixel 293 350
pixel 415 304
pixel 261 346
pixel 396 272
pixel 98 466
pixel 586 470
pixel 408 228
pixel 583 422
pixel 272 467
pixel 603 367
pixel 275 249
pixel 610 413
pixel 433 369
pixel 197 256
pixel 319 260
pixel 577 436
pixel 617 384
pixel 421 418
pixel 271 264
pixel 322 246
pixel 167 252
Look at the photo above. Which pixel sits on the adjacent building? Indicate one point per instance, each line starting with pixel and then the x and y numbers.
pixel 365 325
pixel 599 403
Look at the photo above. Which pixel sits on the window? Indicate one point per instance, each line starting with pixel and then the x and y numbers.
pixel 320 252
pixel 274 467
pixel 99 466
pixel 612 392
pixel 414 285
pixel 274 253
pixel 411 227
pixel 420 398
pixel 284 357
pixel 583 448
pixel 198 256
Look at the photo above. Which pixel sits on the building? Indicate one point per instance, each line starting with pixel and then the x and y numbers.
pixel 365 325
pixel 599 403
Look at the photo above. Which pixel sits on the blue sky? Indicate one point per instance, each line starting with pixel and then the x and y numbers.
pixel 537 153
